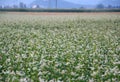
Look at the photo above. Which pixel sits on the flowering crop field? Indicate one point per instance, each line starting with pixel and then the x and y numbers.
pixel 60 48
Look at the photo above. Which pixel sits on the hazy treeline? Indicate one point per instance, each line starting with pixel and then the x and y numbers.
pixel 61 10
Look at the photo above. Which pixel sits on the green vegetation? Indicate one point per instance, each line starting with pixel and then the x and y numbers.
pixel 61 48
pixel 61 10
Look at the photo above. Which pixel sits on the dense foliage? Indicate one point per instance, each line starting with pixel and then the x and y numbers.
pixel 61 48
pixel 60 10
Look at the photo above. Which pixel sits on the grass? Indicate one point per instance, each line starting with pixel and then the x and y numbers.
pixel 60 48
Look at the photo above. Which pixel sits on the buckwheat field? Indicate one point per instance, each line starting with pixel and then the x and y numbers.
pixel 60 48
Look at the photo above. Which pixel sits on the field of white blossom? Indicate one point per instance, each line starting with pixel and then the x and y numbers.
pixel 60 48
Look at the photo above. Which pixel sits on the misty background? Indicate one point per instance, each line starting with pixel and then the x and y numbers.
pixel 60 4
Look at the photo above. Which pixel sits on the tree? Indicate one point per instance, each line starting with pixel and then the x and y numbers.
pixel 0 7
pixel 49 3
pixel 118 6
pixel 56 4
pixel 15 6
pixel 100 6
pixel 22 5
pixel 81 7
pixel 7 7
pixel 109 6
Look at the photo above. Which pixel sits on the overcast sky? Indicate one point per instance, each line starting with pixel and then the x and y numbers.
pixel 85 1
pixel 74 1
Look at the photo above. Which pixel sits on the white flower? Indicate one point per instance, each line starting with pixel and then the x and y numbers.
pixel 91 80
pixel 24 55
pixel 92 68
pixel 63 71
pixel 73 73
pixel 94 73
pixel 34 68
pixel 41 80
pixel 117 63
pixel 23 80
pixel 8 60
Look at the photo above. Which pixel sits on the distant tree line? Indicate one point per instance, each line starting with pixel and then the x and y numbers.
pixel 101 6
pixel 23 5
pixel 20 5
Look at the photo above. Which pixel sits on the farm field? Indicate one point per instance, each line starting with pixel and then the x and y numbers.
pixel 59 47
